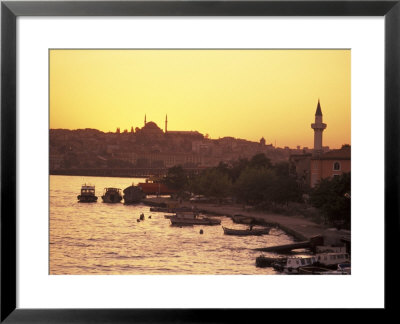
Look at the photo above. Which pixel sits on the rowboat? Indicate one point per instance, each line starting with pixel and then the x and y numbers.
pixel 258 231
pixel 182 221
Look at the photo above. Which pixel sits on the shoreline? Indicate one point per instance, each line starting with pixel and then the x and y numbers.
pixel 297 226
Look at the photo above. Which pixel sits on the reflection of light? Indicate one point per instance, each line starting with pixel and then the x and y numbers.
pixel 347 195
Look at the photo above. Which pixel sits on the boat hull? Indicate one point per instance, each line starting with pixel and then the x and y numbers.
pixel 179 221
pixel 87 199
pixel 257 232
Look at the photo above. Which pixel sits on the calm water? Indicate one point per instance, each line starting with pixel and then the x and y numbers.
pixel 101 238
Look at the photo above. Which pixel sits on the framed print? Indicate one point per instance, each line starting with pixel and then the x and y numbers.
pixel 124 122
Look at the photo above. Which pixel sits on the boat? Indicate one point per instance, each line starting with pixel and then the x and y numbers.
pixel 133 195
pixel 184 214
pixel 241 219
pixel 293 264
pixel 155 186
pixel 247 220
pixel 251 231
pixel 112 195
pixel 332 259
pixel 87 194
pixel 264 261
pixel 188 219
pixel 315 270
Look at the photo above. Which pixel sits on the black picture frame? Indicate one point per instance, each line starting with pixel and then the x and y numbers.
pixel 10 10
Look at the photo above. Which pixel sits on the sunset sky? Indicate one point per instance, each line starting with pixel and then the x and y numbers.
pixel 241 93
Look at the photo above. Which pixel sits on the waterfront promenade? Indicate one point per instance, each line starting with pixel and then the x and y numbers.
pixel 297 226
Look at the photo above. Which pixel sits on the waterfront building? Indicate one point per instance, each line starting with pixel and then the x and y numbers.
pixel 330 164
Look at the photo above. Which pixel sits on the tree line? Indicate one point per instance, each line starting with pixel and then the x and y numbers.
pixel 260 183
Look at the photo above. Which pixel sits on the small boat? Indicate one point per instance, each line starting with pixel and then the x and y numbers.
pixel 186 221
pixel 332 260
pixel 247 220
pixel 264 262
pixel 133 195
pixel 185 214
pixel 112 195
pixel 313 270
pixel 87 194
pixel 251 231
pixel 294 263
pixel 241 219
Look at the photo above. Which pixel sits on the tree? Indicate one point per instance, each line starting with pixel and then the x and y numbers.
pixel 332 197
pixel 260 161
pixel 212 183
pixel 255 185
pixel 176 178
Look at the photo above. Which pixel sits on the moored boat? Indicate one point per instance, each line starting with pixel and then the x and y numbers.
pixel 87 194
pixel 314 270
pixel 112 195
pixel 247 220
pixel 293 264
pixel 251 231
pixel 185 214
pixel 184 221
pixel 133 195
pixel 332 260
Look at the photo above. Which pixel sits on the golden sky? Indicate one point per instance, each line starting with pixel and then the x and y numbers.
pixel 241 93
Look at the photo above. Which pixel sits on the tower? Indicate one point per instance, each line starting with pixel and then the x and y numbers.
pixel 166 122
pixel 144 119
pixel 318 128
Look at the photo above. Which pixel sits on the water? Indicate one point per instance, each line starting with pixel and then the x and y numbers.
pixel 99 238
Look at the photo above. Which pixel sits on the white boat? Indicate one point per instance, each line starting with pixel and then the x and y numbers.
pixel 332 259
pixel 293 264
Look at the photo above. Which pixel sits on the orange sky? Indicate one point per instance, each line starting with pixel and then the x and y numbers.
pixel 241 93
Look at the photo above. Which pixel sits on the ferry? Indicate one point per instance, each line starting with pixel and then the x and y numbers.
pixel 87 194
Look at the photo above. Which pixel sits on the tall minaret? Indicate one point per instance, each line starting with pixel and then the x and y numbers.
pixel 318 128
pixel 144 119
pixel 166 122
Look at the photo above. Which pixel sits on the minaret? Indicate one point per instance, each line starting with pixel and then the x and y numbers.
pixel 144 119
pixel 166 122
pixel 318 128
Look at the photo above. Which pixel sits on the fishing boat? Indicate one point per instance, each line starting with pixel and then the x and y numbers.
pixel 133 195
pixel 243 232
pixel 112 195
pixel 87 194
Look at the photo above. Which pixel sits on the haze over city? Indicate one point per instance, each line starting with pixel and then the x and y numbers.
pixel 246 94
